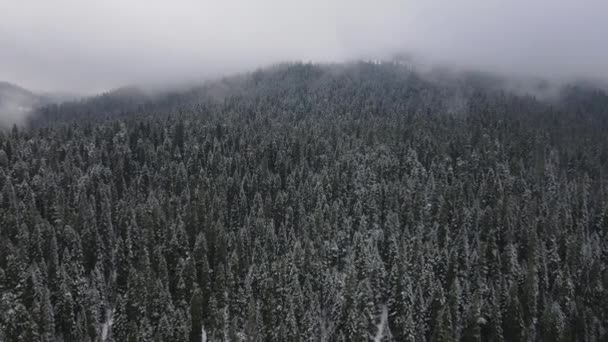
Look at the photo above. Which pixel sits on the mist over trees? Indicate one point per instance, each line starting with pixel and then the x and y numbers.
pixel 305 202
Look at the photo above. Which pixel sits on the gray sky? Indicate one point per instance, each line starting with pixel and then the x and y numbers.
pixel 94 45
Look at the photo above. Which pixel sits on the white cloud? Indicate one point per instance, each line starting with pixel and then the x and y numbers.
pixel 87 45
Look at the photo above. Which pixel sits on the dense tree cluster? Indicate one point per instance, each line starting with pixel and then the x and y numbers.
pixel 309 203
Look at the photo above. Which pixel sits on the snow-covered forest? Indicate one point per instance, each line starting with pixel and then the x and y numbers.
pixel 350 202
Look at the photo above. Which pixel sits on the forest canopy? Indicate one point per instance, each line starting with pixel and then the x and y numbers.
pixel 306 202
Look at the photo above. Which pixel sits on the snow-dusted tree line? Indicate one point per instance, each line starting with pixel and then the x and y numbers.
pixel 309 203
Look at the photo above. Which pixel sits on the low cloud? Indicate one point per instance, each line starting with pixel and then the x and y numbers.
pixel 91 46
pixel 16 104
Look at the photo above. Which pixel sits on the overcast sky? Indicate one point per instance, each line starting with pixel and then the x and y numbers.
pixel 90 46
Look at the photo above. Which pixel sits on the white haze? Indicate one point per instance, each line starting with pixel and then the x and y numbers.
pixel 91 45
pixel 15 104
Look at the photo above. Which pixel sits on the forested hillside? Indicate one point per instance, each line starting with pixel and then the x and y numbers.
pixel 306 202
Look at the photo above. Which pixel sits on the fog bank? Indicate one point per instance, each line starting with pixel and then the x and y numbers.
pixel 91 46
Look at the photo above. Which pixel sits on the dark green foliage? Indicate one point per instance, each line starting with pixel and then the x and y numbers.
pixel 308 203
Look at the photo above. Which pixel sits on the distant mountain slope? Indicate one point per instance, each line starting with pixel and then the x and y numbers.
pixel 15 97
pixel 17 103
pixel 294 87
pixel 321 88
pixel 7 88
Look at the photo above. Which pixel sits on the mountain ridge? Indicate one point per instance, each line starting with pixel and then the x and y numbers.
pixel 309 86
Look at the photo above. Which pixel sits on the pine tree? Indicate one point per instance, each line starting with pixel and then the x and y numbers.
pixel 514 325
pixel 196 314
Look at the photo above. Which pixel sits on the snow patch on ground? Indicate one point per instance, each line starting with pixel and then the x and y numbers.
pixel 382 324
pixel 106 327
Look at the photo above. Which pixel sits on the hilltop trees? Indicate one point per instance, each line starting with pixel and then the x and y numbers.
pixel 309 204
